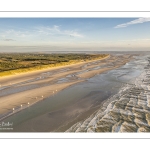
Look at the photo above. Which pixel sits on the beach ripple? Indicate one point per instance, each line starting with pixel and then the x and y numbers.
pixel 127 111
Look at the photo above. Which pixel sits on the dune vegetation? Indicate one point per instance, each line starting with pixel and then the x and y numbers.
pixel 15 63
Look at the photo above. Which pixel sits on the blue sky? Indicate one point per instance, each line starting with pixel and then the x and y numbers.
pixel 73 34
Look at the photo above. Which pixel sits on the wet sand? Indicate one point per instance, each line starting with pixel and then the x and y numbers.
pixel 29 84
pixel 127 111
pixel 38 86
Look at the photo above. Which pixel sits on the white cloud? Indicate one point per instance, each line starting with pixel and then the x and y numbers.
pixel 42 34
pixel 47 30
pixel 14 33
pixel 136 21
pixel 56 31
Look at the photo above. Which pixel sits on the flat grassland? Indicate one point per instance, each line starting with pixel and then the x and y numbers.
pixel 15 63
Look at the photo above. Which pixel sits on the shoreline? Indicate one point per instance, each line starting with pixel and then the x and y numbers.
pixel 126 111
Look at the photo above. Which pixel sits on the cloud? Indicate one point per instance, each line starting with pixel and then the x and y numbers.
pixel 42 33
pixel 8 34
pixel 47 30
pixel 8 40
pixel 57 31
pixel 136 21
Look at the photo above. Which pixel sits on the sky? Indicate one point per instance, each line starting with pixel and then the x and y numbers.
pixel 74 34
